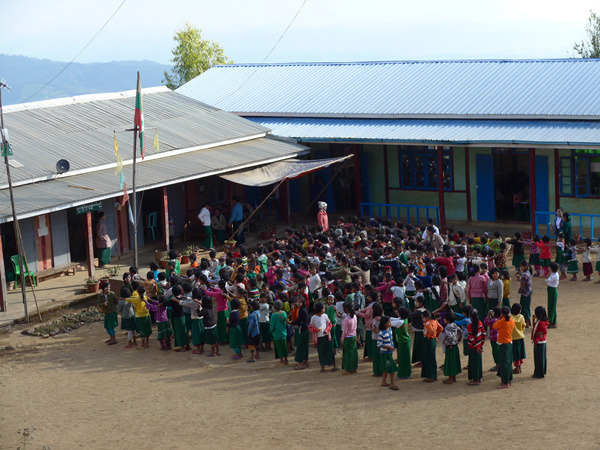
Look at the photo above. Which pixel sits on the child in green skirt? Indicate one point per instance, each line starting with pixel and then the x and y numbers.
pixel 493 315
pixel 332 314
pixel 142 315
pixel 476 338
pixel 350 352
pixel 552 281
pixel 417 324
pixel 107 303
pixel 322 327
pixel 518 337
pixel 210 324
pixel 452 337
pixel 279 332
pixel 385 345
pixel 233 328
pixel 127 313
pixel 197 326
pixel 403 340
pixel 431 331
pixel 264 325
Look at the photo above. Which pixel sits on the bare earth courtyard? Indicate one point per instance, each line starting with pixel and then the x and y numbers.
pixel 79 393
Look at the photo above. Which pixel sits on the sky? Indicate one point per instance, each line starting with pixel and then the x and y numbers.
pixel 325 30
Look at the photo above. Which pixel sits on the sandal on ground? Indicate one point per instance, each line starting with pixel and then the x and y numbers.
pixel 393 387
pixel 322 370
pixel 447 382
pixel 251 360
pixel 385 384
pixel 502 386
pixel 335 369
pixel 299 367
pixel 472 383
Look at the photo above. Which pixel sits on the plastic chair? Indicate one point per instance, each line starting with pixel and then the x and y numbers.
pixel 15 262
pixel 152 226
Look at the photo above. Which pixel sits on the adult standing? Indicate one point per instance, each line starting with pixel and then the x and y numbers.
pixel 322 218
pixel 427 232
pixel 562 224
pixel 219 225
pixel 103 241
pixel 204 217
pixel 237 218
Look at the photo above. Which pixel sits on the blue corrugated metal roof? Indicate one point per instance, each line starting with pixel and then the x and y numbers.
pixel 550 88
pixel 431 131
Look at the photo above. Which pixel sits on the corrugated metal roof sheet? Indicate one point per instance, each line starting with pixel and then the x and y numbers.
pixel 61 193
pixel 566 88
pixel 80 129
pixel 456 132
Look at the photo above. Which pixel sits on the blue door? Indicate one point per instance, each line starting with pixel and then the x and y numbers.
pixel 541 183
pixel 486 205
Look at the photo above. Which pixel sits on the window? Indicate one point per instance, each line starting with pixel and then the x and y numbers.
pixel 580 174
pixel 418 170
pixel 566 176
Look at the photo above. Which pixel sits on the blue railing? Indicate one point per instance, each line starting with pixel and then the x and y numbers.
pixel 402 212
pixel 589 221
pixel 272 206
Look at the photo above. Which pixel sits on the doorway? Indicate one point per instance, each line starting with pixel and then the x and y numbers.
pixel 77 240
pixel 511 187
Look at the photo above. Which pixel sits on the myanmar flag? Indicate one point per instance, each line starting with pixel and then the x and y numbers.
pixel 138 118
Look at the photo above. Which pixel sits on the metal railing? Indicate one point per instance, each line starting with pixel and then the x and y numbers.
pixel 585 222
pixel 402 212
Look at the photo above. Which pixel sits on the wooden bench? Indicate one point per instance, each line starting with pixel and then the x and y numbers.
pixel 58 271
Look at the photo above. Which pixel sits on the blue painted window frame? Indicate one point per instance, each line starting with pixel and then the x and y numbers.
pixel 408 170
pixel 580 187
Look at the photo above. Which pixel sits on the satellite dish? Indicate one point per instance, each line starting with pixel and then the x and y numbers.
pixel 62 166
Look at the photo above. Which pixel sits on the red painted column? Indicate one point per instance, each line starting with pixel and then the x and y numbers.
pixel 3 290
pixel 89 236
pixel 165 217
pixel 556 180
pixel 440 173
pixel 532 192
pixel 467 183
pixel 357 182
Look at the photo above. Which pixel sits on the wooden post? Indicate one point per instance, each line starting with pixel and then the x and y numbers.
pixel 3 290
pixel 468 183
pixel 556 180
pixel 284 201
pixel 229 195
pixel 440 173
pixel 357 183
pixel 89 236
pixel 532 191
pixel 165 217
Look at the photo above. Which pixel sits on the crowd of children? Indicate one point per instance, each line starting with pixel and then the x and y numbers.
pixel 356 286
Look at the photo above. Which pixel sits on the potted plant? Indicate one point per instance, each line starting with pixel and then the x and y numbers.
pixel 185 256
pixel 92 284
pixel 115 281
pixel 163 262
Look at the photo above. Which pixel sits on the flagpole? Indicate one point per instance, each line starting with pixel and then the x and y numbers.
pixel 18 240
pixel 135 241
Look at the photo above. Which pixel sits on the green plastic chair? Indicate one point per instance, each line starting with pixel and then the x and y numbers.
pixel 15 262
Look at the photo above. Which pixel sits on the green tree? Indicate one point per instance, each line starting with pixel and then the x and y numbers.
pixel 590 48
pixel 192 56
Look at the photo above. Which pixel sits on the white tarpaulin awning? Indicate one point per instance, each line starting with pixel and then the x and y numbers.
pixel 275 172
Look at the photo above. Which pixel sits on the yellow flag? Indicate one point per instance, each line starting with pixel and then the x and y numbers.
pixel 156 140
pixel 119 164
pixel 116 146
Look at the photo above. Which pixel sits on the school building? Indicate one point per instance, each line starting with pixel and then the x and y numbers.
pixel 473 140
pixel 58 211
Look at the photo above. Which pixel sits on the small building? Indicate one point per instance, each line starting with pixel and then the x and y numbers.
pixel 57 211
pixel 482 140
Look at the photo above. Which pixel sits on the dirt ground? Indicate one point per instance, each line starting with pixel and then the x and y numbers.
pixel 78 392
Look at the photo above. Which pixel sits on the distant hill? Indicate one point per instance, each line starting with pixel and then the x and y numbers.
pixel 26 75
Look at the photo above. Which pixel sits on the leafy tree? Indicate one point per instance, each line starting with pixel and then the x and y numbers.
pixel 192 56
pixel 591 47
